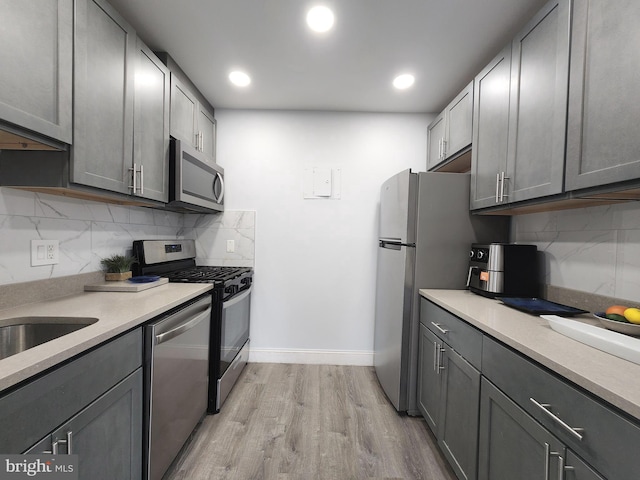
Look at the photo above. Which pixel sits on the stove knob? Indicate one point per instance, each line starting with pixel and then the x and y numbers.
pixel 472 253
pixel 229 289
pixel 480 254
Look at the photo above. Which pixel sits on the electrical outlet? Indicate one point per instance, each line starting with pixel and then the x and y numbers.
pixel 231 246
pixel 44 252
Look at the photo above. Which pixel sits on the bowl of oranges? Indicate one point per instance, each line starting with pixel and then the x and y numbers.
pixel 620 319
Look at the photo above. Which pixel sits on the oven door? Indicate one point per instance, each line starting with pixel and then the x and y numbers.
pixel 234 342
pixel 196 184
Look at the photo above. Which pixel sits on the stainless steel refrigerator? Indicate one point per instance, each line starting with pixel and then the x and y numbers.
pixel 425 234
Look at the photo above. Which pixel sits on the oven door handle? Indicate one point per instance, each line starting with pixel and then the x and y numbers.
pixel 237 299
pixel 183 327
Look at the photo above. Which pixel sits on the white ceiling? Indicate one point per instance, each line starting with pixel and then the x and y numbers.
pixel 444 43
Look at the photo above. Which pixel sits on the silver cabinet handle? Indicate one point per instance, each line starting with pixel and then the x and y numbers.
pixel 68 442
pixel 439 149
pixel 497 188
pixel 435 356
pixel 561 467
pixel 502 194
pixel 575 432
pixel 134 172
pixel 444 148
pixel 440 359
pixel 440 329
pixel 141 180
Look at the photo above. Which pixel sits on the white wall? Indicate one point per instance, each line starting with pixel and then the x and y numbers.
pixel 315 260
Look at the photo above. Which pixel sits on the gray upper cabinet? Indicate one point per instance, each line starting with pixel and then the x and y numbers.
pixel 105 52
pixel 538 105
pixel 435 138
pixel 191 120
pixel 490 129
pixel 603 145
pixel 184 111
pixel 520 114
pixel 207 132
pixel 36 72
pixel 151 126
pixel 451 132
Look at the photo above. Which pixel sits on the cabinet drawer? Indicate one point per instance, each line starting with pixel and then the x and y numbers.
pixel 461 336
pixel 609 440
pixel 35 409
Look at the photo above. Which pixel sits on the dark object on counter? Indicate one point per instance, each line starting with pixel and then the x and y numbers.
pixel 539 306
pixel 503 270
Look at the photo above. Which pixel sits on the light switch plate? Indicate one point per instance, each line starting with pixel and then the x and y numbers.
pixel 231 246
pixel 44 252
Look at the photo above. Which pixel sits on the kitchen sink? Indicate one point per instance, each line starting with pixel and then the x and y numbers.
pixel 22 333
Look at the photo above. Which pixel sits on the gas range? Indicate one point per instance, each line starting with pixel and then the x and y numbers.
pixel 230 309
pixel 175 260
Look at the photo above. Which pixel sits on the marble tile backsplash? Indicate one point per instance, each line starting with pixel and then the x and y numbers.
pixel 89 231
pixel 595 249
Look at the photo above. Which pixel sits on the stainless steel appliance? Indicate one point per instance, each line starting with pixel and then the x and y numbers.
pixel 503 269
pixel 176 382
pixel 424 235
pixel 230 314
pixel 195 184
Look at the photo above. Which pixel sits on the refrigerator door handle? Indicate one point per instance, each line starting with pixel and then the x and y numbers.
pixel 394 245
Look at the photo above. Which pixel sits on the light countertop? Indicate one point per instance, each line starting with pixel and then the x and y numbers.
pixel 116 312
pixel 611 378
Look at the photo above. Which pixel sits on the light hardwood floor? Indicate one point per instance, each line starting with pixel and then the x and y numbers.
pixel 310 422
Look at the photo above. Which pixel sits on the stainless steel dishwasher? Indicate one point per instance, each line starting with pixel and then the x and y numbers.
pixel 176 382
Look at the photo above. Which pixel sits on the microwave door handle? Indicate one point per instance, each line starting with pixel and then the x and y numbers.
pixel 221 196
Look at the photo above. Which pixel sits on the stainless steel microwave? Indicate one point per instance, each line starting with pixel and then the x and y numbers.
pixel 195 184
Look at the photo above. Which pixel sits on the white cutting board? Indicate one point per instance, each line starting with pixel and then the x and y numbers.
pixel 124 286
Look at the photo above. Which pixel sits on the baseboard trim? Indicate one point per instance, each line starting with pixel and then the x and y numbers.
pixel 311 357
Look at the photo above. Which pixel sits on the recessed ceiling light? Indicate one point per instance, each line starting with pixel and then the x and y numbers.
pixel 403 81
pixel 240 79
pixel 320 19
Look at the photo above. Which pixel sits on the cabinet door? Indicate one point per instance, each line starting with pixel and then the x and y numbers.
pixel 538 107
pixel 106 436
pixel 36 72
pixel 207 132
pixel 603 145
pixel 490 129
pixel 151 125
pixel 105 47
pixel 459 122
pixel 184 111
pixel 435 139
pixel 511 444
pixel 429 378
pixel 576 469
pixel 458 424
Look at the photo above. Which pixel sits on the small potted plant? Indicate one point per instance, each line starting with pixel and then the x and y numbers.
pixel 117 267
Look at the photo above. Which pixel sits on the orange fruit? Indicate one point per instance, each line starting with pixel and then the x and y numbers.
pixel 616 312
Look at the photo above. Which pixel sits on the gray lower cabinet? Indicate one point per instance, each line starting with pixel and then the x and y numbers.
pixel 104 60
pixel 511 444
pixel 520 114
pixel 94 402
pixel 603 145
pixel 449 386
pixel 36 72
pixel 597 437
pixel 106 435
